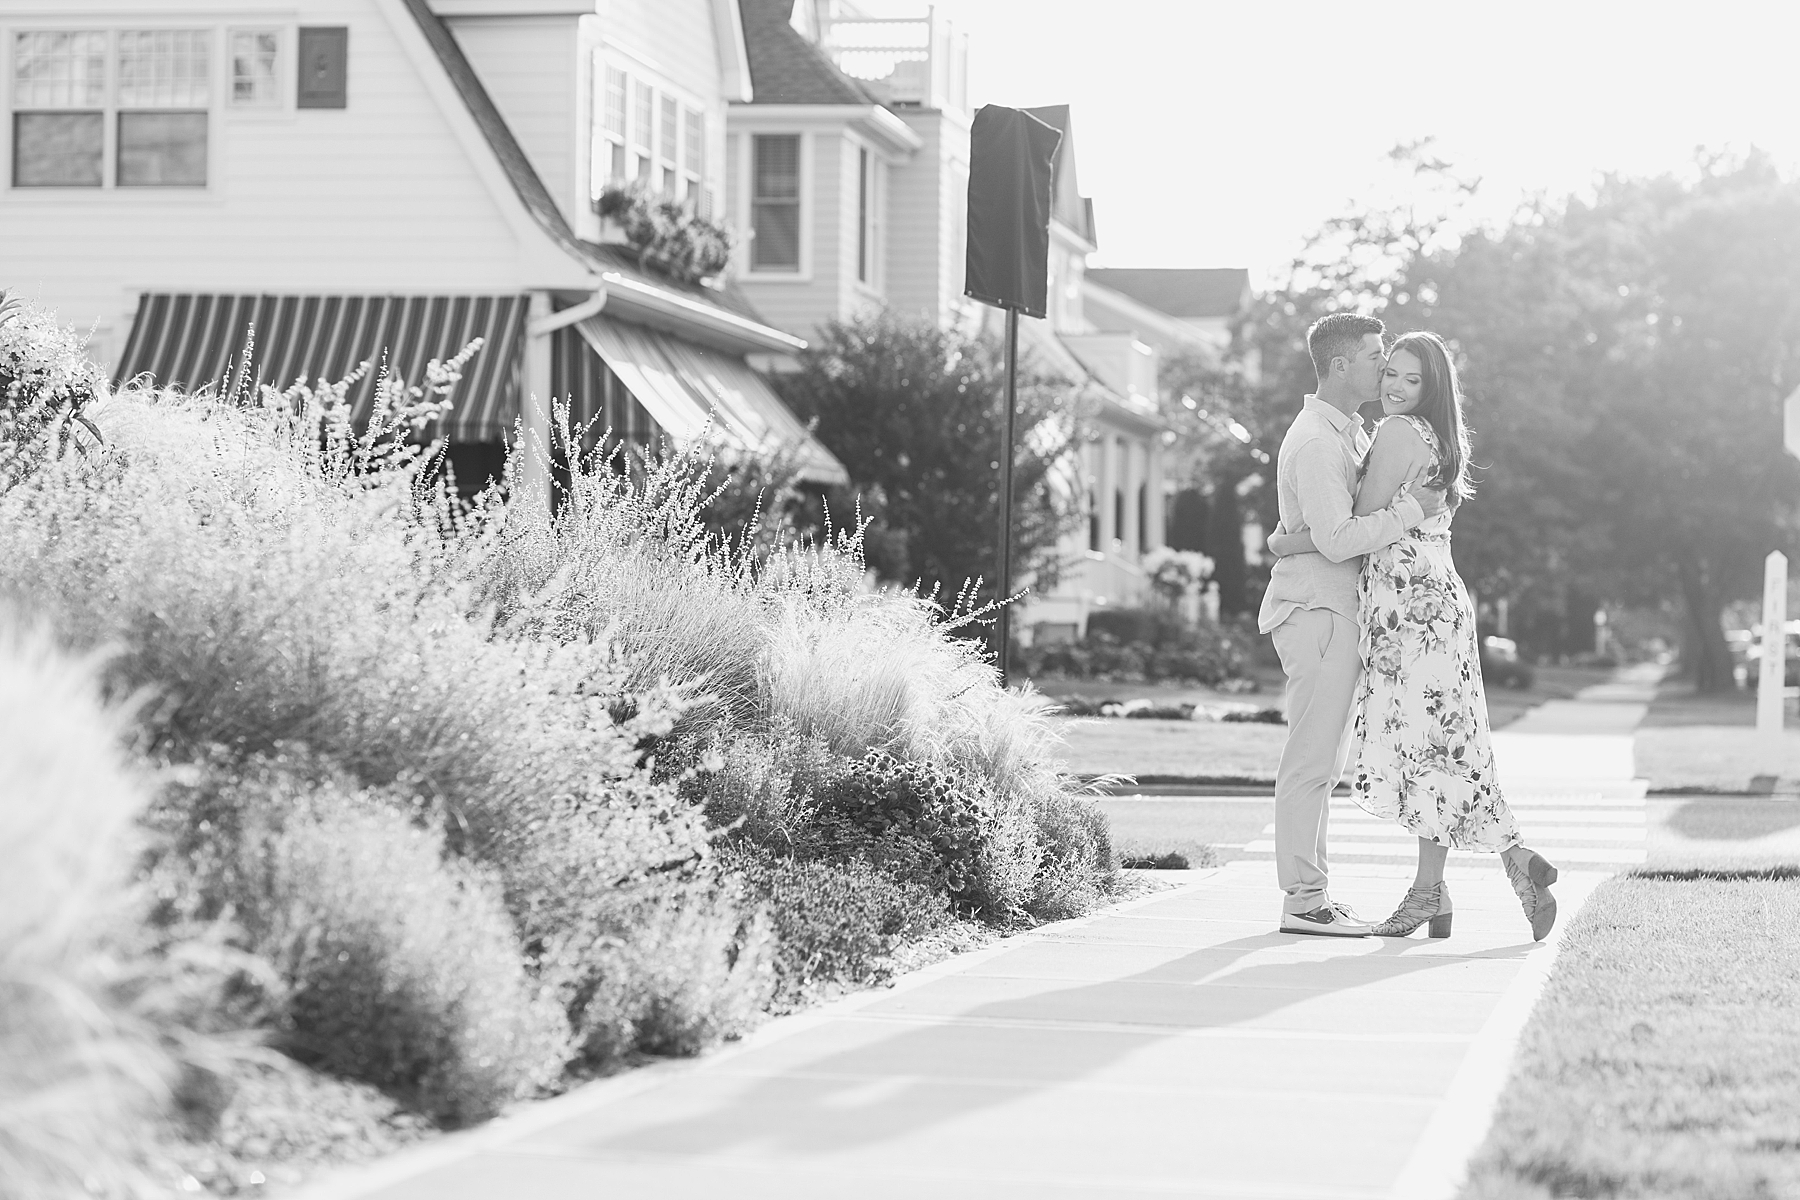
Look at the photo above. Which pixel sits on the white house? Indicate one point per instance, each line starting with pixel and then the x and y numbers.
pixel 849 171
pixel 359 177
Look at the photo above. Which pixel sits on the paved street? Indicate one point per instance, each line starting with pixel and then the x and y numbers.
pixel 1170 1046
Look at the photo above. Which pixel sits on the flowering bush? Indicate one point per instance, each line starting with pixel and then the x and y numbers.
pixel 1133 644
pixel 881 799
pixel 669 236
pixel 45 384
pixel 1174 573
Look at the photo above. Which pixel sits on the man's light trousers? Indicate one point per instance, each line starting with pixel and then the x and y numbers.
pixel 1318 650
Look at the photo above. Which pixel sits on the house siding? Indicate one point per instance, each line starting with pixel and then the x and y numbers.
pixel 532 67
pixel 928 200
pixel 378 197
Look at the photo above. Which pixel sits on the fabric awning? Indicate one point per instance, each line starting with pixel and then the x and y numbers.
pixel 191 341
pixel 682 384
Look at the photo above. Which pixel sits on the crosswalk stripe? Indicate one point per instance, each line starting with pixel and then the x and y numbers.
pixel 1556 852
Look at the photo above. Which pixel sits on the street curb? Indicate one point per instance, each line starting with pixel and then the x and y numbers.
pixel 1439 1164
pixel 360 1180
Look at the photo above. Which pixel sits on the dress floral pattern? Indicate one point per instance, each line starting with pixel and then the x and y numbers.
pixel 1421 748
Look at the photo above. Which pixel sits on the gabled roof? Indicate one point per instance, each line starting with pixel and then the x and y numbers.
pixel 786 68
pixel 697 303
pixel 1067 204
pixel 1189 293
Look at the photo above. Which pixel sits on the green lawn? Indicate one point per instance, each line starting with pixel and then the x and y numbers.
pixel 1709 743
pixel 1214 749
pixel 1663 1060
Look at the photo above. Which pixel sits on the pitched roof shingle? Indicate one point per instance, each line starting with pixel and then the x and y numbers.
pixel 786 68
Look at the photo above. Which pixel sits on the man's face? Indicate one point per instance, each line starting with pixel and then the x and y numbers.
pixel 1364 375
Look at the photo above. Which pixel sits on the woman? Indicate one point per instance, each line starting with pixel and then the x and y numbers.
pixel 1420 746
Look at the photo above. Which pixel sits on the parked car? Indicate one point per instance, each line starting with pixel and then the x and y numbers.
pixel 1753 659
pixel 1502 666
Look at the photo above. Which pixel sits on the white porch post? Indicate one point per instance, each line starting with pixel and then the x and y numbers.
pixel 1156 510
pixel 534 401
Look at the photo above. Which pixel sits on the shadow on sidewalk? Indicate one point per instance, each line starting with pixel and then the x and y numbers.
pixel 997 1053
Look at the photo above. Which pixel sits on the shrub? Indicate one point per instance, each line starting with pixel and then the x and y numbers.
pixel 81 1077
pixel 669 236
pixel 834 922
pixel 1255 716
pixel 1130 644
pixel 400 965
pixel 675 966
pixel 45 383
pixel 881 800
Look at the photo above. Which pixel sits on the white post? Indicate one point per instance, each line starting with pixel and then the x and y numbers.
pixel 534 477
pixel 1770 686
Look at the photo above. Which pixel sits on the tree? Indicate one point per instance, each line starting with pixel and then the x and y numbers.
pixel 913 411
pixel 1624 357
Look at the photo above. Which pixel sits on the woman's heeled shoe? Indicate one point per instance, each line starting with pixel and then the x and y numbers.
pixel 1421 906
pixel 1531 883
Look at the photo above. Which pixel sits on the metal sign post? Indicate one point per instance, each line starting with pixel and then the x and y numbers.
pixel 1003 632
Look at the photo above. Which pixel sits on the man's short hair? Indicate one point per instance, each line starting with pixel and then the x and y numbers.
pixel 1339 333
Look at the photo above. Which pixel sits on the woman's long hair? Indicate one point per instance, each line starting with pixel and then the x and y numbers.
pixel 1440 403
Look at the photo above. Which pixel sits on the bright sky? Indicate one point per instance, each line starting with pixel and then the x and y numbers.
pixel 1220 134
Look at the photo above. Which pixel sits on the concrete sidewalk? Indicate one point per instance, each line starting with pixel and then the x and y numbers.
pixel 1170 1046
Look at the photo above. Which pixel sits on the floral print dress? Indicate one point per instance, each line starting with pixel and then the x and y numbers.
pixel 1421 749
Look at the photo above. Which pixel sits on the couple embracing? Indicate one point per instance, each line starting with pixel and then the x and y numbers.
pixel 1377 635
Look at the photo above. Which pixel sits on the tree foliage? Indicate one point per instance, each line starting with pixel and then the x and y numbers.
pixel 1624 356
pixel 914 412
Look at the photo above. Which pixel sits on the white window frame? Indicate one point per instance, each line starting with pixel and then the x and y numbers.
pixel 871 221
pixel 219 107
pixel 283 82
pixel 746 197
pixel 644 148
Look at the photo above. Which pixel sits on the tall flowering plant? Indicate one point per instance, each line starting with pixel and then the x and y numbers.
pixel 45 383
pixel 1175 573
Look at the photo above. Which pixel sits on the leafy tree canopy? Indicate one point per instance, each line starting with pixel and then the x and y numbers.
pixel 914 412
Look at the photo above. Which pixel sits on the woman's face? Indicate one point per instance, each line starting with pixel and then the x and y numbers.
pixel 1402 381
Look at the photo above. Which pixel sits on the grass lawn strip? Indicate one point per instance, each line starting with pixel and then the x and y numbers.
pixel 1663 1058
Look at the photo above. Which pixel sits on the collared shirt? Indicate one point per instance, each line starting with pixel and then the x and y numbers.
pixel 1315 488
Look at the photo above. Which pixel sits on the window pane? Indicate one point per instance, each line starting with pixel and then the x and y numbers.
pixel 253 67
pixel 777 168
pixel 59 70
pixel 668 181
pixel 57 149
pixel 615 101
pixel 862 216
pixel 616 168
pixel 776 244
pixel 694 153
pixel 163 68
pixel 162 149
pixel 671 128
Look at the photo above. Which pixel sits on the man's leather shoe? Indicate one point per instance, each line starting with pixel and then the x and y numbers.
pixel 1327 920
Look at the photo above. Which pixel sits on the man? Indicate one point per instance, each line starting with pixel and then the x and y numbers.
pixel 1310 607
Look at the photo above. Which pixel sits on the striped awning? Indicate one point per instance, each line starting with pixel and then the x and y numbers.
pixel 191 341
pixel 684 385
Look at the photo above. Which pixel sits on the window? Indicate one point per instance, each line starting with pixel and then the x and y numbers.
pixel 643 113
pixel 669 133
pixel 775 202
pixel 158 97
pixel 1143 518
pixel 1093 521
pixel 1119 518
pixel 59 94
pixel 862 216
pixel 164 81
pixel 254 55
pixel 609 156
pixel 693 156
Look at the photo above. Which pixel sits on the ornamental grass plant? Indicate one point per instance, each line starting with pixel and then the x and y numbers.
pixel 82 1076
pixel 462 797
